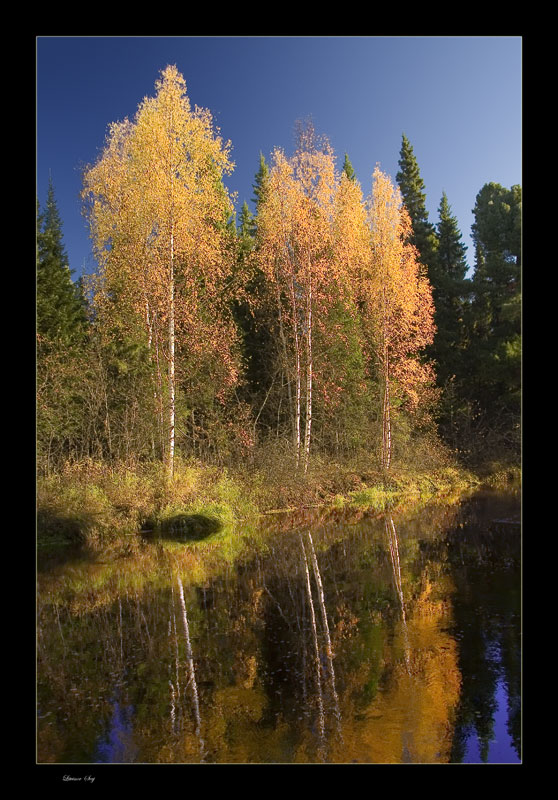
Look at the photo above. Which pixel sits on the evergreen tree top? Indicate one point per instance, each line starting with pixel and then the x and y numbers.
pixel 414 198
pixel 348 169
pixel 260 181
pixel 246 220
pixel 410 182
pixel 61 313
pixel 451 250
pixel 52 240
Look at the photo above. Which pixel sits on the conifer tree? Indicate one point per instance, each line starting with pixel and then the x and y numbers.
pixel 494 356
pixel 61 315
pixel 246 220
pixel 423 235
pixel 450 295
pixel 348 169
pixel 260 186
pixel 61 328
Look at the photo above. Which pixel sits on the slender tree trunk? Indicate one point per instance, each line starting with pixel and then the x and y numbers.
pixel 321 717
pixel 298 375
pixel 159 392
pixel 309 379
pixel 285 355
pixel 386 424
pixel 171 305
pixel 386 410
pixel 170 468
pixel 149 324
pixel 396 564
pixel 190 659
pixel 329 648
pixel 107 417
pixel 298 402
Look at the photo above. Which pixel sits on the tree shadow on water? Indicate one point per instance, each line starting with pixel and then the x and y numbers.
pixel 61 538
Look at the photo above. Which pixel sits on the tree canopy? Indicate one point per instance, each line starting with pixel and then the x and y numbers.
pixel 320 321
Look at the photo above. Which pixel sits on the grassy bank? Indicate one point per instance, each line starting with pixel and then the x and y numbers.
pixel 109 506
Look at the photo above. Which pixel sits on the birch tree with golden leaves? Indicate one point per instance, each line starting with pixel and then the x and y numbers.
pixel 398 299
pixel 155 204
pixel 295 254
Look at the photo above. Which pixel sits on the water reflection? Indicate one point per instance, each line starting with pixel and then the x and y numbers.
pixel 118 746
pixel 338 638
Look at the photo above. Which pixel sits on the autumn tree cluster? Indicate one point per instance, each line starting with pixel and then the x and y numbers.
pixel 308 328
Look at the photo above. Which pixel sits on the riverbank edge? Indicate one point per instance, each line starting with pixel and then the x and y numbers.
pixel 113 507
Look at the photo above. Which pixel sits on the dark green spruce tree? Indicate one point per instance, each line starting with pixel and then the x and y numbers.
pixel 451 298
pixel 61 311
pixel 414 197
pixel 348 169
pixel 61 329
pixel 250 315
pixel 494 353
pixel 451 295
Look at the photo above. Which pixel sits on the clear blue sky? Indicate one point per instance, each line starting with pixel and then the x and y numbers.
pixel 457 99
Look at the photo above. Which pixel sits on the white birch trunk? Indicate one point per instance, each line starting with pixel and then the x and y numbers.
pixel 171 360
pixel 386 424
pixel 309 380
pixel 298 375
pixel 386 410
pixel 171 305
pixel 285 358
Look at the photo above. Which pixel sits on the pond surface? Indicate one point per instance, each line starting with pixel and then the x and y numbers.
pixel 334 637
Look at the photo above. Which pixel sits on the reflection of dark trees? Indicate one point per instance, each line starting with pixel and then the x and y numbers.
pixel 485 555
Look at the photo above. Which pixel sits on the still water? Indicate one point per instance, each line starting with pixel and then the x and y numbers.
pixel 330 637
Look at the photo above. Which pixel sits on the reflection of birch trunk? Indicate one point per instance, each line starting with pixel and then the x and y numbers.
pixel 303 651
pixel 395 562
pixel 329 649
pixel 174 687
pixel 321 720
pixel 172 708
pixel 190 660
pixel 120 626
pixel 396 565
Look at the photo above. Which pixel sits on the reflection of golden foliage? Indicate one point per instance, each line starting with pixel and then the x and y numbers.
pixel 245 669
pixel 240 702
pixel 411 718
pixel 429 602
pixel 252 670
pixel 49 745
pixel 257 600
pixel 347 625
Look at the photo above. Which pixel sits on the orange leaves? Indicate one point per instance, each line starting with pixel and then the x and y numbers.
pixel 295 226
pixel 156 203
pixel 398 293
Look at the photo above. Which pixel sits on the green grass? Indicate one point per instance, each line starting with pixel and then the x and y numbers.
pixel 204 519
pixel 103 506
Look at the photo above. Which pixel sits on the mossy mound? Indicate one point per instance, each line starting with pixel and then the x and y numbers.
pixel 188 527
